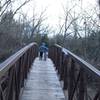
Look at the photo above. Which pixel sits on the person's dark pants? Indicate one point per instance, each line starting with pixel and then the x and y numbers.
pixel 41 55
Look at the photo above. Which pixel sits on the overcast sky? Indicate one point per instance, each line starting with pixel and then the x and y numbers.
pixel 54 8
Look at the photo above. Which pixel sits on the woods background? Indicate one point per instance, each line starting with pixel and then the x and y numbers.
pixel 78 32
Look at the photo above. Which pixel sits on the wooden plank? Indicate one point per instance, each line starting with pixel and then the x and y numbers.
pixel 43 83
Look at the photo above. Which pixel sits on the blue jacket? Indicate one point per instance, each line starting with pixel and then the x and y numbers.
pixel 43 48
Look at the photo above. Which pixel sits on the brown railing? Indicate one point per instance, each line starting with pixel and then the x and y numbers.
pixel 80 79
pixel 14 71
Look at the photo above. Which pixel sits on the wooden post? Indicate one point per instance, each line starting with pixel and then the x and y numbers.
pixel 71 79
pixel 81 85
pixel 66 61
pixel 62 67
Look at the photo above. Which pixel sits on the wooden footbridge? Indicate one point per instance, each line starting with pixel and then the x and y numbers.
pixel 63 76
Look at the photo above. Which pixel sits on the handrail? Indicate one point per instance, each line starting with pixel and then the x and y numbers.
pixel 11 60
pixel 80 60
pixel 14 71
pixel 79 76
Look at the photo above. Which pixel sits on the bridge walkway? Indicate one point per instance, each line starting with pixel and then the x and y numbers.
pixel 42 82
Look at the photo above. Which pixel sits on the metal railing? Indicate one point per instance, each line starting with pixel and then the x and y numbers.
pixel 14 71
pixel 80 79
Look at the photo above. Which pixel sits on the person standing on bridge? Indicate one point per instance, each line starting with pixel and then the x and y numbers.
pixel 43 51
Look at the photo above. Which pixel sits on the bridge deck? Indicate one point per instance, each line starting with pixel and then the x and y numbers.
pixel 42 83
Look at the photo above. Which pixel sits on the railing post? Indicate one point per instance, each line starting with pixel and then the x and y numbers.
pixel 66 63
pixel 71 79
pixel 55 57
pixel 62 67
pixel 97 96
pixel 82 85
pixel 18 79
pixel 59 60
pixel 1 94
pixel 11 92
